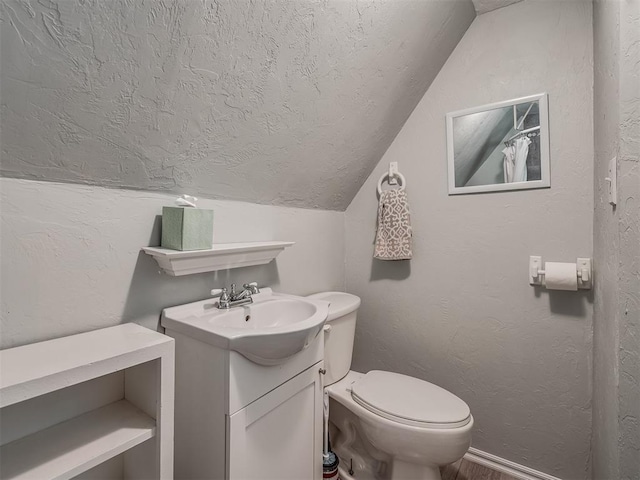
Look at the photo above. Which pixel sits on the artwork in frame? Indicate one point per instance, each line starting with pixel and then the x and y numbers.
pixel 500 146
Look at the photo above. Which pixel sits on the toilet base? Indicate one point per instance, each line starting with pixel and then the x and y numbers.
pixel 401 471
pixel 344 475
pixel 410 471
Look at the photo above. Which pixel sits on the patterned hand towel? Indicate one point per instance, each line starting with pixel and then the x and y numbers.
pixel 393 238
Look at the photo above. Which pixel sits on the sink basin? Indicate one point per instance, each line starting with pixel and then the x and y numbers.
pixel 268 331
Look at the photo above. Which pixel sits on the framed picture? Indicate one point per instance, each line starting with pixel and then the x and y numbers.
pixel 501 146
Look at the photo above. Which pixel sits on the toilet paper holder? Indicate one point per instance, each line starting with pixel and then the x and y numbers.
pixel 583 272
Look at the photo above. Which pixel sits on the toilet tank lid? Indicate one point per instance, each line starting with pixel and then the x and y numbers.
pixel 340 303
pixel 410 400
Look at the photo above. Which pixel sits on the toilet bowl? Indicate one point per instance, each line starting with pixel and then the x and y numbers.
pixel 384 425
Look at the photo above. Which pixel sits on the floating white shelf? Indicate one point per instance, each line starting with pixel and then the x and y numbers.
pixel 72 447
pixel 221 257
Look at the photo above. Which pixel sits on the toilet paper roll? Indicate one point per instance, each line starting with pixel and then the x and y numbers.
pixel 560 276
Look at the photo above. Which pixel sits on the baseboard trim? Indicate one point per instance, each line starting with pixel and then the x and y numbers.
pixel 506 466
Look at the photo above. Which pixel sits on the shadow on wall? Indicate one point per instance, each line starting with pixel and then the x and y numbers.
pixel 151 290
pixel 390 269
pixel 569 303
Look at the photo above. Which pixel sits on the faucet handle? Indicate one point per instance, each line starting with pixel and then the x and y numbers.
pixel 216 292
pixel 223 302
pixel 224 297
pixel 252 287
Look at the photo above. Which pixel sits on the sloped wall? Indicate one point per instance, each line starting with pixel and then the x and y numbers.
pixel 288 102
pixel 461 313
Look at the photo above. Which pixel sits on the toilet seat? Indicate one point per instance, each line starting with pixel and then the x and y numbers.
pixel 409 401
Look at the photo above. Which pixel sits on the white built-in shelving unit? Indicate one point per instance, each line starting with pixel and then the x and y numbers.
pixel 221 257
pixel 96 404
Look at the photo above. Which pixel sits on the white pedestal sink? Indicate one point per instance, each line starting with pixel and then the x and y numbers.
pixel 248 388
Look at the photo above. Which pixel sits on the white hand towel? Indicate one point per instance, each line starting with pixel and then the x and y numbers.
pixel 393 237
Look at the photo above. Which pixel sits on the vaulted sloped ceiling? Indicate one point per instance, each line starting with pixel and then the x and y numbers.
pixel 484 6
pixel 287 102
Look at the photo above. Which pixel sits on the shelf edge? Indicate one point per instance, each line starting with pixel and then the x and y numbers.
pixel 221 257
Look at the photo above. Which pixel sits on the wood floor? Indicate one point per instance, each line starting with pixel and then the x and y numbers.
pixel 466 470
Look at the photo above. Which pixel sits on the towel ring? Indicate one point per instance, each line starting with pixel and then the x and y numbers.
pixel 398 175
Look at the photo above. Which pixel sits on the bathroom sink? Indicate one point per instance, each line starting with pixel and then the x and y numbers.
pixel 268 331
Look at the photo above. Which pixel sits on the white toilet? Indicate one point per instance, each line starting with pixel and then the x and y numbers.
pixel 385 425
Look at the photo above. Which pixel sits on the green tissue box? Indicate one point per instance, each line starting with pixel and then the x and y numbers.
pixel 186 228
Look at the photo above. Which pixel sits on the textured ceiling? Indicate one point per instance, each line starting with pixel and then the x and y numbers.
pixel 484 6
pixel 289 102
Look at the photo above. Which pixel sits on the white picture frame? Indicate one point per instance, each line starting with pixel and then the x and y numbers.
pixel 475 145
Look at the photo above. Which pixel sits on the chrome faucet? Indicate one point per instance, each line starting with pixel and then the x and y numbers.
pixel 233 299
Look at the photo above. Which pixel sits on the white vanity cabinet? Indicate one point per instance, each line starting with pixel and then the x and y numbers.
pixel 238 420
pixel 277 436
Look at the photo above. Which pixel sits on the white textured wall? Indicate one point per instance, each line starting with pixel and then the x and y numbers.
pixel 71 261
pixel 288 102
pixel 616 383
pixel 606 243
pixel 461 313
pixel 629 230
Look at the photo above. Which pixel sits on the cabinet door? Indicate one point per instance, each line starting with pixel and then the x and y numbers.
pixel 279 436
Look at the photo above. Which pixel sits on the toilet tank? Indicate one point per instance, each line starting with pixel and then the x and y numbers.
pixel 339 332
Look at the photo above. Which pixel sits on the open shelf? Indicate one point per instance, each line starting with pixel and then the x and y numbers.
pixel 70 404
pixel 72 447
pixel 221 257
pixel 39 368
